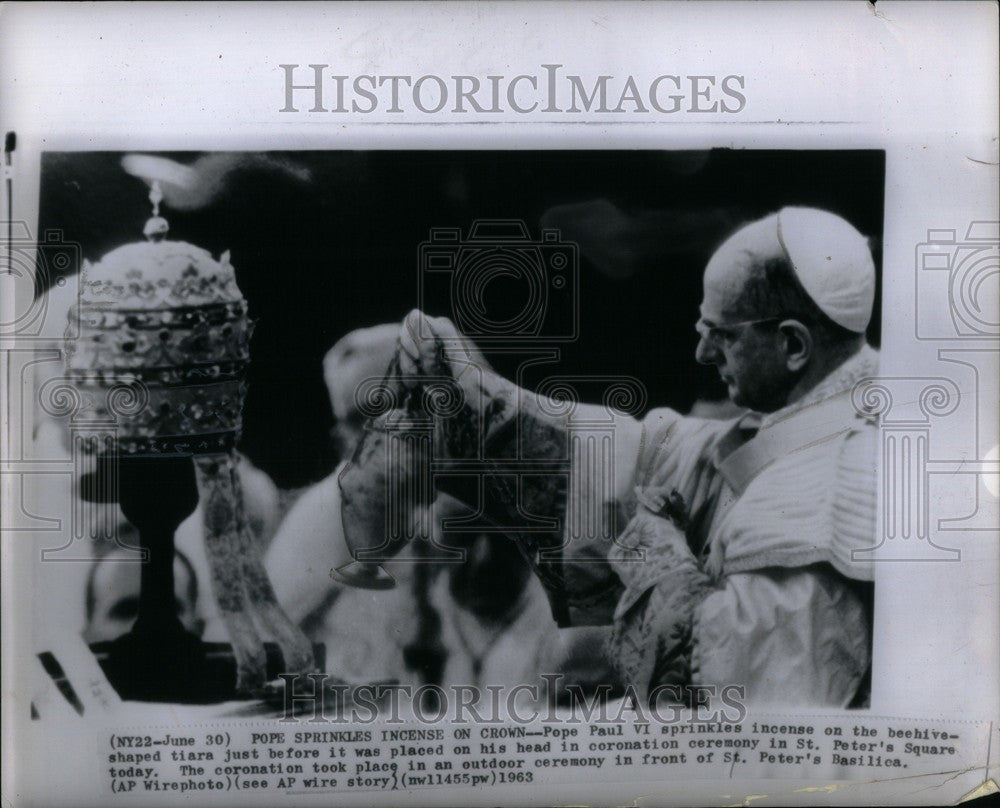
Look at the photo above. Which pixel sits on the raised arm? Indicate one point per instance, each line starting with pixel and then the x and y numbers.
pixel 515 457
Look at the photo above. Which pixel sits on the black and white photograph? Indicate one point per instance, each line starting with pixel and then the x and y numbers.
pixel 399 441
pixel 512 424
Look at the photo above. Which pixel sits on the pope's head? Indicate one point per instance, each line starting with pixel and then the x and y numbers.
pixel 786 300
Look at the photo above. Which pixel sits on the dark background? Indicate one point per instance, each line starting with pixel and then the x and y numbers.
pixel 326 242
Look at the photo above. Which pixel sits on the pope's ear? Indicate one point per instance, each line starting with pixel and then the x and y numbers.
pixel 799 344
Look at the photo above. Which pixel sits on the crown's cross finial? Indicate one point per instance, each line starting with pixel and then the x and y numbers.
pixel 156 197
pixel 156 228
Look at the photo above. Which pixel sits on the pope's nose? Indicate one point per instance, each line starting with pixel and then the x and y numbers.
pixel 706 353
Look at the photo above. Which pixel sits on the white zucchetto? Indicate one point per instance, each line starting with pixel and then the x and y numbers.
pixel 829 256
pixel 833 263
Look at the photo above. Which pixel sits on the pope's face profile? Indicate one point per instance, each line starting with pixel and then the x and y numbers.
pixel 786 299
pixel 746 346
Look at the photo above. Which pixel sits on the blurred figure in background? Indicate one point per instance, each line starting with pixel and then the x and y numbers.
pixel 112 595
pixel 364 630
pixel 482 619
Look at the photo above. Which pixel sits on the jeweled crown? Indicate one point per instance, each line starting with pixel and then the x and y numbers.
pixel 166 321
